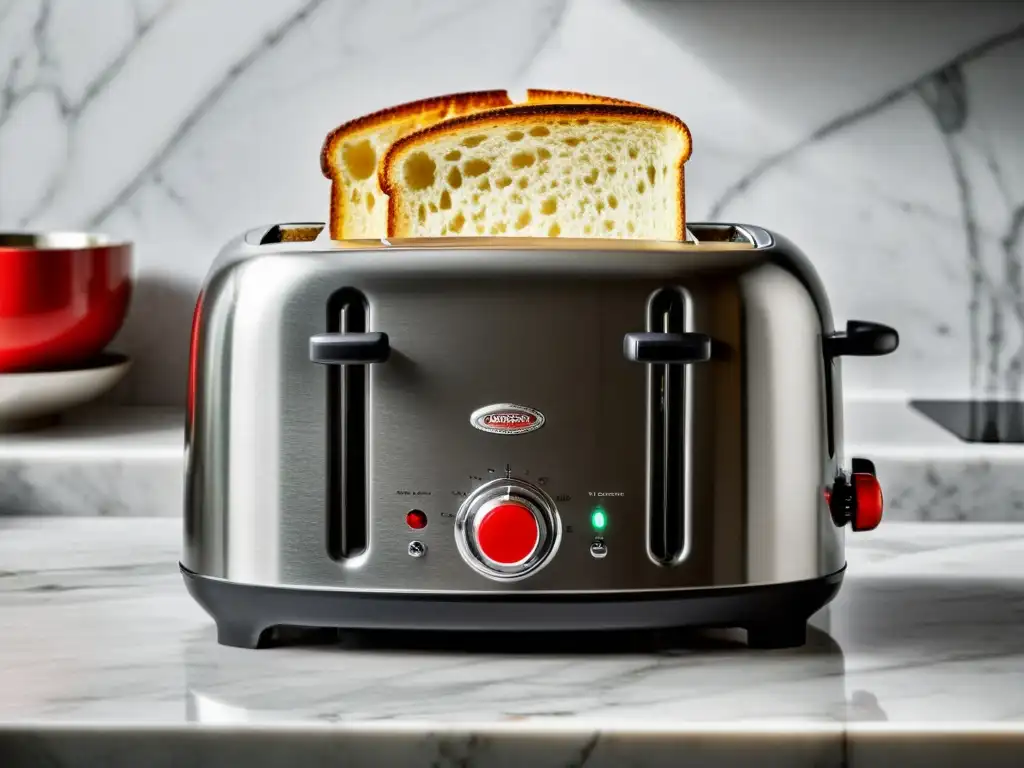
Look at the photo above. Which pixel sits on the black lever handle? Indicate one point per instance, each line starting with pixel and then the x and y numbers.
pixel 349 348
pixel 862 339
pixel 667 347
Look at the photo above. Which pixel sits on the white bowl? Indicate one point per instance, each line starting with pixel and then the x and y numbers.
pixel 32 400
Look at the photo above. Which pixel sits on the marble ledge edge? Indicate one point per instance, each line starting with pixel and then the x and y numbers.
pixel 525 742
pixel 555 726
pixel 128 462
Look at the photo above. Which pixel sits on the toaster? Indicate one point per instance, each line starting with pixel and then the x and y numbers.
pixel 519 434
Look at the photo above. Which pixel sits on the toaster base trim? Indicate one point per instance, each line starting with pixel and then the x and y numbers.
pixel 774 615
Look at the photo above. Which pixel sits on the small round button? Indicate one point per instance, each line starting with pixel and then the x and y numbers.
pixel 417 549
pixel 867 510
pixel 507 533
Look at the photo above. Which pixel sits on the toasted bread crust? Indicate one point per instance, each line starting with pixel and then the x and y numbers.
pixel 456 102
pixel 543 96
pixel 516 115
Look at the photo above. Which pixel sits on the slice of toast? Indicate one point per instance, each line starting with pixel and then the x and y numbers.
pixel 352 154
pixel 358 206
pixel 542 170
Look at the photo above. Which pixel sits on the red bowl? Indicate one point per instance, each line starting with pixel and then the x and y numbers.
pixel 63 297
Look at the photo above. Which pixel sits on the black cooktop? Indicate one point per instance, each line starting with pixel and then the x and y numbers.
pixel 977 421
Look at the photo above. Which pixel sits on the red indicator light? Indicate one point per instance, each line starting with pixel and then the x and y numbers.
pixel 416 519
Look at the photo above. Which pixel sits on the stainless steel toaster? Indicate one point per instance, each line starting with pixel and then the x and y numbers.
pixel 505 434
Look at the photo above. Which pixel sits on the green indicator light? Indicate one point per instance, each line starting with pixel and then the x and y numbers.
pixel 598 519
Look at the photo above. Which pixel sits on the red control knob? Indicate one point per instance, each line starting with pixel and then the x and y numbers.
pixel 507 533
pixel 867 504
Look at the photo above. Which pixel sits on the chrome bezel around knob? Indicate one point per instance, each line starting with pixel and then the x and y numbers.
pixel 486 498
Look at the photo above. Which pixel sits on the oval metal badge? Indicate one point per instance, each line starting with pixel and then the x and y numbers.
pixel 506 419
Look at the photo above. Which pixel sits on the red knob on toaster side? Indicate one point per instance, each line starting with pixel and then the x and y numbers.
pixel 867 508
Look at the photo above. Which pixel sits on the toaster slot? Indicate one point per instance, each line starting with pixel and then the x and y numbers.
pixel 291 233
pixel 347 523
pixel 830 404
pixel 666 402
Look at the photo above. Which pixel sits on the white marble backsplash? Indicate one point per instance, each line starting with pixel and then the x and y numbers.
pixel 888 148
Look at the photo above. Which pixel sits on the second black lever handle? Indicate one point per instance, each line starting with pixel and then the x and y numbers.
pixel 862 339
pixel 667 348
pixel 349 348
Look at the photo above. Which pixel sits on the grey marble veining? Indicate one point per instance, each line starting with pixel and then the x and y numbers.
pixel 944 490
pixel 888 152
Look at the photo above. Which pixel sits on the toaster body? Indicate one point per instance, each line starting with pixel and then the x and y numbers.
pixel 503 434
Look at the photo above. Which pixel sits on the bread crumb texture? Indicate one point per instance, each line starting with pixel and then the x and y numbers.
pixel 611 176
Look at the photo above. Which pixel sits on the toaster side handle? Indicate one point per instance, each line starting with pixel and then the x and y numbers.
pixel 862 339
pixel 349 348
pixel 667 348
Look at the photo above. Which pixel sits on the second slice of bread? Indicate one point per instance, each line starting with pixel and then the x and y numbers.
pixel 556 170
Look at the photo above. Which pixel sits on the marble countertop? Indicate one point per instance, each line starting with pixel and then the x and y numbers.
pixel 97 632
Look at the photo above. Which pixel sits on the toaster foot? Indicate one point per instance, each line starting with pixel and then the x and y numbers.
pixel 788 633
pixel 238 635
